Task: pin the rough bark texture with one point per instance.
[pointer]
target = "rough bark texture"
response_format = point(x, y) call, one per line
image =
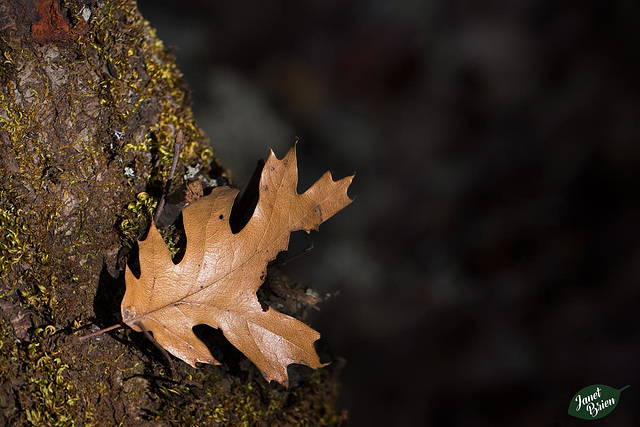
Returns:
point(90, 103)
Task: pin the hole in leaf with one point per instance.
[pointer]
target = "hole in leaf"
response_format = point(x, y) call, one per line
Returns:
point(245, 204)
point(221, 349)
point(134, 261)
point(324, 351)
point(179, 239)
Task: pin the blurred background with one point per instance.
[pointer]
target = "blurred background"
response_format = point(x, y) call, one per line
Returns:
point(489, 267)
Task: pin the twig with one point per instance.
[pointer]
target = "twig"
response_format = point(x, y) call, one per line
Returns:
point(178, 144)
point(294, 256)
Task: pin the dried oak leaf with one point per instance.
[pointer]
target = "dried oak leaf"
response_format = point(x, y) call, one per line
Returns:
point(217, 279)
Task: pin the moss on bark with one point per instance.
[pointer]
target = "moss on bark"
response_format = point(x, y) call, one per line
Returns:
point(90, 103)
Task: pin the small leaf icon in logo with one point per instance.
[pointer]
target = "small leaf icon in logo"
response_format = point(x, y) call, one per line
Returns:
point(594, 401)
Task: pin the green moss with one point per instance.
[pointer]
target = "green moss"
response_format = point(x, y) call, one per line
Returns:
point(53, 396)
point(234, 400)
point(138, 213)
point(58, 231)
point(38, 298)
point(141, 71)
point(13, 247)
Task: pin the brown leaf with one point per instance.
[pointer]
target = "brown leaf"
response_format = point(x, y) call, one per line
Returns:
point(217, 279)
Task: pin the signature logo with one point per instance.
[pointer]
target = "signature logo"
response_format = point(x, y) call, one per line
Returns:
point(594, 401)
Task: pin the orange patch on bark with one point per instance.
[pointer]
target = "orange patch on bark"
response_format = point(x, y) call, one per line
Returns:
point(52, 26)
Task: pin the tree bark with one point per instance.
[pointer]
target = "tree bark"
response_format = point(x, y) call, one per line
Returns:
point(90, 104)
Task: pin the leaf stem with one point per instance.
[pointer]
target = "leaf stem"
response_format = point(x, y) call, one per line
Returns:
point(101, 331)
point(159, 347)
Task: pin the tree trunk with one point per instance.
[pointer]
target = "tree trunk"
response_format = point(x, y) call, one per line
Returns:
point(90, 105)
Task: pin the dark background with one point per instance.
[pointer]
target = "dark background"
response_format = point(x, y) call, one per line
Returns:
point(489, 267)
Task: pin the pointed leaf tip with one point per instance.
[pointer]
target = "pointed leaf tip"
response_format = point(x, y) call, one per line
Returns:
point(216, 281)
